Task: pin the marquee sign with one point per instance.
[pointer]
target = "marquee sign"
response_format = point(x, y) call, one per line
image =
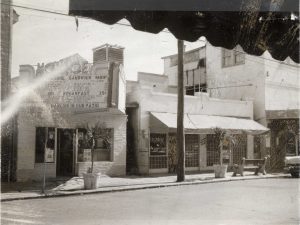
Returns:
point(83, 87)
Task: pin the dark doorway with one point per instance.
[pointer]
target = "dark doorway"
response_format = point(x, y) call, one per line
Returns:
point(131, 162)
point(65, 154)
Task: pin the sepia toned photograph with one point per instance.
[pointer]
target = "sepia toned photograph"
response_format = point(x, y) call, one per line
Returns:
point(145, 112)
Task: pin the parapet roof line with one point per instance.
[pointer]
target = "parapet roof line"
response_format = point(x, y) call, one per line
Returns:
point(195, 49)
point(108, 45)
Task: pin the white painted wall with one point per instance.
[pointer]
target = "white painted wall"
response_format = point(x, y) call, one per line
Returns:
point(275, 84)
point(156, 82)
point(229, 82)
point(27, 169)
point(162, 102)
point(121, 90)
point(282, 84)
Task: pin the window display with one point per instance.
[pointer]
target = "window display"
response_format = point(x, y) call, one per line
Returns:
point(103, 146)
point(44, 144)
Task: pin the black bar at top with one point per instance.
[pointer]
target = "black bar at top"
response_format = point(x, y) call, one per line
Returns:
point(184, 5)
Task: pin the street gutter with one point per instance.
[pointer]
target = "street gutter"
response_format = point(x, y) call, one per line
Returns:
point(139, 187)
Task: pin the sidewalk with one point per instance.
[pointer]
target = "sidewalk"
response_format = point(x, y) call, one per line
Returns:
point(74, 186)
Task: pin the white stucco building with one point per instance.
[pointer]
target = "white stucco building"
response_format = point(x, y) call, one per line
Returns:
point(65, 97)
point(151, 108)
point(272, 86)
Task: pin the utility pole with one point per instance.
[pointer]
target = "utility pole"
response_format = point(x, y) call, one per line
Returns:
point(180, 116)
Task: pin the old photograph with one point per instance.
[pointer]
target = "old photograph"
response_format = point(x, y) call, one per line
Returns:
point(150, 112)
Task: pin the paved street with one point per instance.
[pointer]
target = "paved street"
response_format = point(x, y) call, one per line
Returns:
point(266, 201)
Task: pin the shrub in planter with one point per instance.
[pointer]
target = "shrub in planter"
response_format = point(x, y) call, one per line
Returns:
point(221, 169)
point(91, 178)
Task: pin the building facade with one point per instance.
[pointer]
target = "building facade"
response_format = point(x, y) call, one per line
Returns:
point(65, 99)
point(152, 106)
point(273, 86)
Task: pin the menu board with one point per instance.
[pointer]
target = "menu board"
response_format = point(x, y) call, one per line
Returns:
point(83, 87)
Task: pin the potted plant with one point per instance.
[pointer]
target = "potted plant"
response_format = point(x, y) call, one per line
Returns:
point(94, 133)
point(221, 169)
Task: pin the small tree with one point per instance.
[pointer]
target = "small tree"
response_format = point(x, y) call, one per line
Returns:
point(221, 135)
point(98, 131)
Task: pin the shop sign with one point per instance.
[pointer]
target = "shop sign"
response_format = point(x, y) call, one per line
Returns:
point(84, 87)
point(49, 155)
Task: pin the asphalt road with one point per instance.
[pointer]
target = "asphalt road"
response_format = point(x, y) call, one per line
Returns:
point(267, 201)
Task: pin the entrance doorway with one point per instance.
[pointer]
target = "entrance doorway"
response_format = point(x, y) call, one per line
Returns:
point(65, 152)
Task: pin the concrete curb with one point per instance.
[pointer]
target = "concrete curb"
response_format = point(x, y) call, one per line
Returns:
point(140, 187)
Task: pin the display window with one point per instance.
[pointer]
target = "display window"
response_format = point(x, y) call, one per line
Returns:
point(158, 151)
point(45, 145)
point(103, 146)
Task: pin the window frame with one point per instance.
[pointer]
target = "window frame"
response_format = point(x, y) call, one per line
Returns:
point(38, 160)
point(192, 148)
point(111, 153)
point(158, 161)
point(226, 54)
point(165, 144)
point(232, 56)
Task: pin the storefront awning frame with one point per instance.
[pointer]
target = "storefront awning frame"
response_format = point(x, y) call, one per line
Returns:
point(205, 124)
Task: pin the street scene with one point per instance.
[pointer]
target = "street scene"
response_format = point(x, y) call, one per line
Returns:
point(182, 113)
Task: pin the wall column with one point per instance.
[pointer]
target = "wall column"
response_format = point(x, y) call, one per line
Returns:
point(250, 146)
point(202, 155)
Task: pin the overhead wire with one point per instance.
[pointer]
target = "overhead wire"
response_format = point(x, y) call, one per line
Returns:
point(128, 25)
point(64, 14)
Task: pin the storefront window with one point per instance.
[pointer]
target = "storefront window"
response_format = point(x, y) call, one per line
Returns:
point(44, 144)
point(212, 145)
point(291, 144)
point(158, 151)
point(103, 146)
point(239, 149)
point(192, 150)
point(158, 144)
point(258, 141)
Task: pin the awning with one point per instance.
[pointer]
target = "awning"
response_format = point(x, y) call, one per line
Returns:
point(207, 123)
